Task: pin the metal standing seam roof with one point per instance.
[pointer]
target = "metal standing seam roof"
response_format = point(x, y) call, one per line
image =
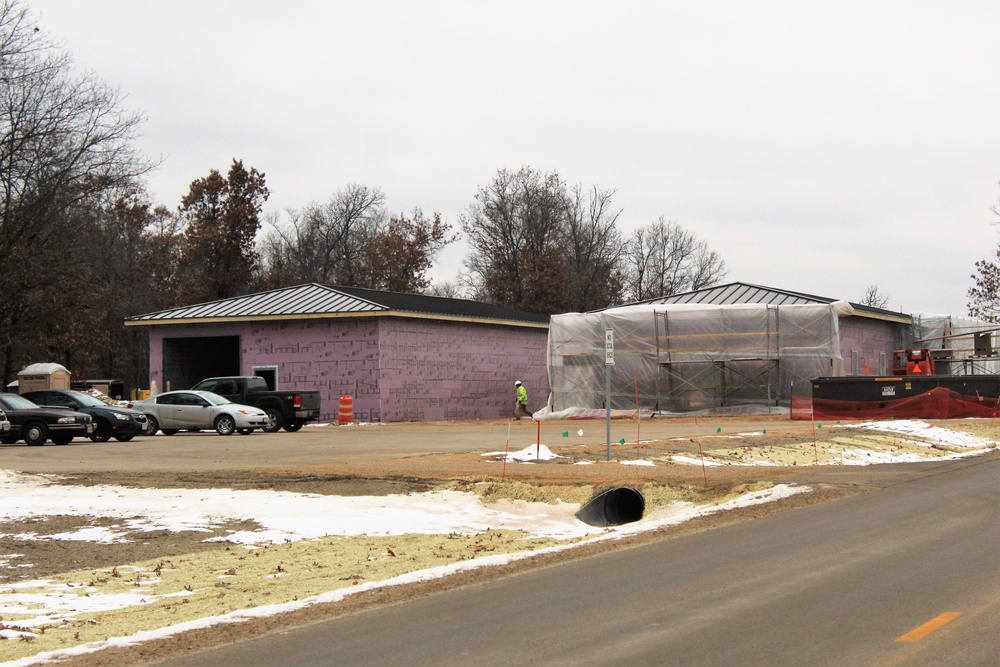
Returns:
point(315, 300)
point(742, 293)
point(745, 293)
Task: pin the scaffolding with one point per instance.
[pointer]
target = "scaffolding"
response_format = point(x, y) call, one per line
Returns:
point(689, 358)
point(959, 346)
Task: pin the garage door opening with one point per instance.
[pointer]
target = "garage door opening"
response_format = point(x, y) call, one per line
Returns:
point(186, 361)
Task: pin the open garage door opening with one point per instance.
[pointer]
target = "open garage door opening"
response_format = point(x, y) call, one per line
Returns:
point(186, 361)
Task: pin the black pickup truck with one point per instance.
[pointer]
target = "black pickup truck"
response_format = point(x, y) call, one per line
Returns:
point(289, 408)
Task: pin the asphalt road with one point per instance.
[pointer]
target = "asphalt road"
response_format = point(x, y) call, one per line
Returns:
point(904, 575)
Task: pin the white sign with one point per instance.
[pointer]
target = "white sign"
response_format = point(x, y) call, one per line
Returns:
point(609, 347)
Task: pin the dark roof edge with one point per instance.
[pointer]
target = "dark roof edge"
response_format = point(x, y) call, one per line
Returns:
point(440, 305)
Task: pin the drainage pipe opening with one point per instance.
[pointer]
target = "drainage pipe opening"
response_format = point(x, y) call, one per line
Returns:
point(613, 507)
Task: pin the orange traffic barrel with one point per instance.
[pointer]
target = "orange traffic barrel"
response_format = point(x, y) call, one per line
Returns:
point(345, 413)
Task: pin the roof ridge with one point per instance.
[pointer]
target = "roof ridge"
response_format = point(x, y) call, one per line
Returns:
point(319, 300)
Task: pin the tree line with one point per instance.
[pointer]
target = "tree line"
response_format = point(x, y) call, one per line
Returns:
point(542, 246)
point(83, 247)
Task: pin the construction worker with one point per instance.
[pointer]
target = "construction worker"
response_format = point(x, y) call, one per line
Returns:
point(521, 406)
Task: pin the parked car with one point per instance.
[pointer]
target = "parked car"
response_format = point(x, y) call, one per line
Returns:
point(182, 410)
point(288, 408)
point(109, 420)
point(36, 425)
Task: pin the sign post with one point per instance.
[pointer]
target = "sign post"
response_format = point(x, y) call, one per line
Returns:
point(609, 361)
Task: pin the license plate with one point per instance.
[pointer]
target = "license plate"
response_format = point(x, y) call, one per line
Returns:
point(90, 428)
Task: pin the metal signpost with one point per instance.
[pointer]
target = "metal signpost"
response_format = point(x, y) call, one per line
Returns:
point(609, 361)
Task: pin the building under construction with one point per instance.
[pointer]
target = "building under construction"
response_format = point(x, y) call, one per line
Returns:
point(740, 348)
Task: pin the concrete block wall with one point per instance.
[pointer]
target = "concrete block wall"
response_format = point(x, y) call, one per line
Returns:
point(440, 370)
point(869, 341)
point(335, 357)
point(395, 369)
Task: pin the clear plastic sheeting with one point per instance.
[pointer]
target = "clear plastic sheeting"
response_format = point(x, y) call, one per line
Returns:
point(693, 358)
point(592, 413)
point(959, 345)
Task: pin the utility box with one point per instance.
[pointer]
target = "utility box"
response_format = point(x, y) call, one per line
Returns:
point(43, 376)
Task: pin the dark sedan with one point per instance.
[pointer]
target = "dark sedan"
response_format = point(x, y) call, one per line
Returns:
point(109, 421)
point(35, 425)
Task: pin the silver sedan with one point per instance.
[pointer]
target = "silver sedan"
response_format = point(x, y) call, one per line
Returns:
point(174, 411)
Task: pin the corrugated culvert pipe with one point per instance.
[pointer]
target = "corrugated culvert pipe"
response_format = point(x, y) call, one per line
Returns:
point(613, 507)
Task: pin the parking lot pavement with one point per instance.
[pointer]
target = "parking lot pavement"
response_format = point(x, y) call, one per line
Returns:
point(332, 444)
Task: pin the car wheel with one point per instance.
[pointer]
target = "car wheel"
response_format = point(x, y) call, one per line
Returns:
point(169, 431)
point(124, 438)
point(62, 440)
point(225, 425)
point(292, 427)
point(35, 433)
point(102, 431)
point(152, 426)
point(8, 439)
point(274, 421)
point(244, 431)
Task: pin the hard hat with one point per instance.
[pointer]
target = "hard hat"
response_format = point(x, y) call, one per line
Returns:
point(517, 382)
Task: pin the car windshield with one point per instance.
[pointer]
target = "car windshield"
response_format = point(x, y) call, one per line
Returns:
point(88, 400)
point(214, 399)
point(15, 402)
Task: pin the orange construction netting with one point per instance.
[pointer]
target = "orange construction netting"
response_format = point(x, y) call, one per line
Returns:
point(936, 403)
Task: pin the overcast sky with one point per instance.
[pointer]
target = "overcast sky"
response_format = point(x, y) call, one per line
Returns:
point(821, 147)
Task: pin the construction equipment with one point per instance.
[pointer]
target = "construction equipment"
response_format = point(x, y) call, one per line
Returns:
point(913, 362)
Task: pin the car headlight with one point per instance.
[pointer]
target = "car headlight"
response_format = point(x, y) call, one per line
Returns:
point(121, 417)
point(66, 420)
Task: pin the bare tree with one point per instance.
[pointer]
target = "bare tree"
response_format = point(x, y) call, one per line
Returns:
point(874, 298)
point(134, 252)
point(323, 243)
point(984, 296)
point(398, 258)
point(277, 264)
point(663, 258)
point(160, 256)
point(517, 232)
point(64, 140)
point(447, 289)
point(351, 241)
point(540, 246)
point(594, 250)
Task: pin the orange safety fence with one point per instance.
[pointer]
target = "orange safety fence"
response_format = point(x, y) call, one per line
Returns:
point(936, 403)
